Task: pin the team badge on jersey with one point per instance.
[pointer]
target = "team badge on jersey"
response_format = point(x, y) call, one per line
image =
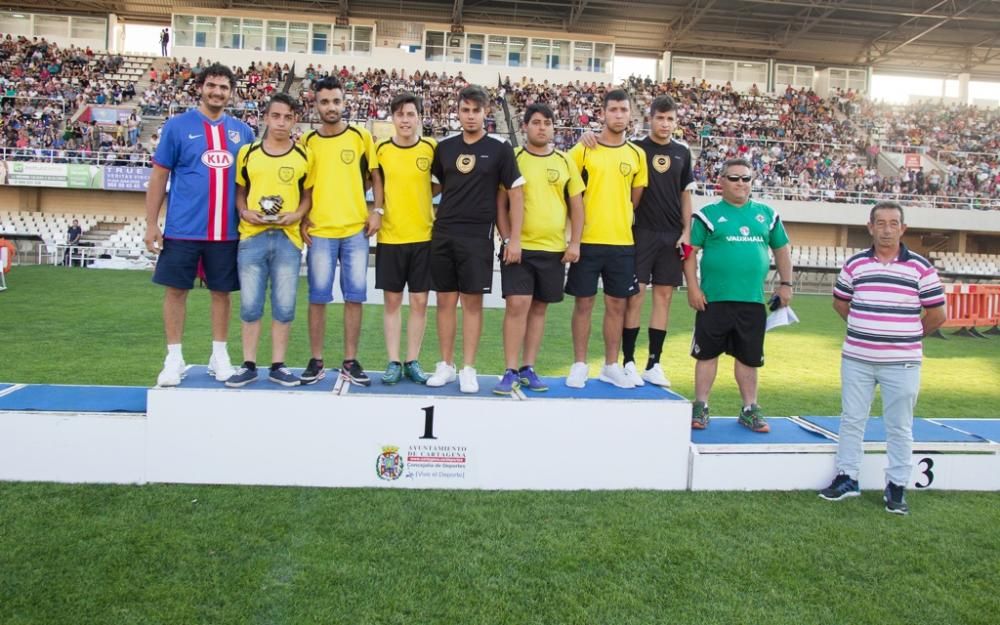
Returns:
point(285, 174)
point(423, 163)
point(234, 136)
point(625, 168)
point(661, 163)
point(553, 175)
point(465, 163)
point(347, 156)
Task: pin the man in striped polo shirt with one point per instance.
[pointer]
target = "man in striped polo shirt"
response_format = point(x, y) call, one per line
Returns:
point(891, 299)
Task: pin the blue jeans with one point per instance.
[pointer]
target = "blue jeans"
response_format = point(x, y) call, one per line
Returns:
point(352, 252)
point(268, 255)
point(900, 384)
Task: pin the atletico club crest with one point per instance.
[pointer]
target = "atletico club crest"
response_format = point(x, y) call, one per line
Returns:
point(423, 163)
point(465, 163)
point(553, 175)
point(661, 163)
point(347, 156)
point(625, 168)
point(285, 174)
point(234, 136)
point(389, 464)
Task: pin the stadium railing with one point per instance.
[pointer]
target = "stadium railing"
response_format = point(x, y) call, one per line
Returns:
point(51, 155)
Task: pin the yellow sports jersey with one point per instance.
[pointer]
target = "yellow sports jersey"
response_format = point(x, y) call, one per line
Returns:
point(549, 181)
point(610, 174)
point(406, 174)
point(273, 180)
point(343, 162)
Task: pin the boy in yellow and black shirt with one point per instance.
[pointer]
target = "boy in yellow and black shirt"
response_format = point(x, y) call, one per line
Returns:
point(615, 174)
point(274, 179)
point(339, 226)
point(552, 191)
point(402, 258)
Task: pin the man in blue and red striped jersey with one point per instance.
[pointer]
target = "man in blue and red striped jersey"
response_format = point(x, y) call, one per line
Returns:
point(891, 299)
point(197, 153)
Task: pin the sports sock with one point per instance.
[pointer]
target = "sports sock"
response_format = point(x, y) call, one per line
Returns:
point(277, 365)
point(249, 364)
point(629, 335)
point(656, 338)
point(219, 348)
point(174, 352)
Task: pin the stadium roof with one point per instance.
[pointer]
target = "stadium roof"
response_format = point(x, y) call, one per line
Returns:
point(930, 37)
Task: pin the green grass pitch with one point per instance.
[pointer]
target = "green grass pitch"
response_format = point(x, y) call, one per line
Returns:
point(217, 555)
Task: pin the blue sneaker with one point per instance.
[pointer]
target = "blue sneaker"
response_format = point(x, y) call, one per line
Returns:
point(413, 371)
point(393, 373)
point(531, 380)
point(842, 487)
point(507, 383)
point(284, 377)
point(243, 376)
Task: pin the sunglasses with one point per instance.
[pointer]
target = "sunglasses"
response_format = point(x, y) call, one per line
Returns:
point(732, 178)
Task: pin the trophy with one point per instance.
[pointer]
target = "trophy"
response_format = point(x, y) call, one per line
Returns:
point(270, 206)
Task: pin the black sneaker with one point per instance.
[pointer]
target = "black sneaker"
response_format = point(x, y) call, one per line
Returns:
point(353, 371)
point(842, 487)
point(895, 499)
point(314, 372)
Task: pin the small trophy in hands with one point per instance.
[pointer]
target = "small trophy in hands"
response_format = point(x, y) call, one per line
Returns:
point(270, 206)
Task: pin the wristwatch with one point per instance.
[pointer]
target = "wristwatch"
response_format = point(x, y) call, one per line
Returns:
point(783, 283)
point(380, 211)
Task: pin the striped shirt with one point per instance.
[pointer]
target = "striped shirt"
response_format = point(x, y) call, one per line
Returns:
point(883, 324)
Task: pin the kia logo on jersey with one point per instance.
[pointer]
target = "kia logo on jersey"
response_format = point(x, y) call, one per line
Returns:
point(217, 159)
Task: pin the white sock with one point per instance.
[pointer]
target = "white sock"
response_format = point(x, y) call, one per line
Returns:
point(219, 348)
point(747, 408)
point(174, 353)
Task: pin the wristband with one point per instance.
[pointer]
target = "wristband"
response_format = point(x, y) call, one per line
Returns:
point(783, 283)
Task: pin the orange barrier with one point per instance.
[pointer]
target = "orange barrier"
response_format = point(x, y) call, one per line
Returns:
point(9, 256)
point(971, 305)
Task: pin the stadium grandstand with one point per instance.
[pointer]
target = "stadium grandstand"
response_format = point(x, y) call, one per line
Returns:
point(795, 106)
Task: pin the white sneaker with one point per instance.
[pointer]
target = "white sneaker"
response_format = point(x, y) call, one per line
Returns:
point(614, 374)
point(578, 375)
point(443, 374)
point(467, 381)
point(172, 374)
point(221, 367)
point(633, 374)
point(655, 376)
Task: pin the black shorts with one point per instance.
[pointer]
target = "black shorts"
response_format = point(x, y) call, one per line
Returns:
point(656, 259)
point(177, 265)
point(539, 274)
point(736, 328)
point(463, 264)
point(614, 264)
point(398, 265)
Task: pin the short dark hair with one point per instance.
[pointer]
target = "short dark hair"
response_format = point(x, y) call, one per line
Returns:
point(662, 104)
point(886, 205)
point(615, 95)
point(405, 98)
point(474, 93)
point(329, 82)
point(282, 98)
point(216, 69)
point(538, 107)
point(735, 162)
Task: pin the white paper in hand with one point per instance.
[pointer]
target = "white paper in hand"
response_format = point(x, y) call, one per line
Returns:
point(784, 316)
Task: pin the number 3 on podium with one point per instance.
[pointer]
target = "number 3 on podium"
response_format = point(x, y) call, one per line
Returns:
point(927, 465)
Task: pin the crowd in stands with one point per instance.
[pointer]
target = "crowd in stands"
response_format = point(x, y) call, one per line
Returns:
point(802, 146)
point(805, 147)
point(43, 85)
